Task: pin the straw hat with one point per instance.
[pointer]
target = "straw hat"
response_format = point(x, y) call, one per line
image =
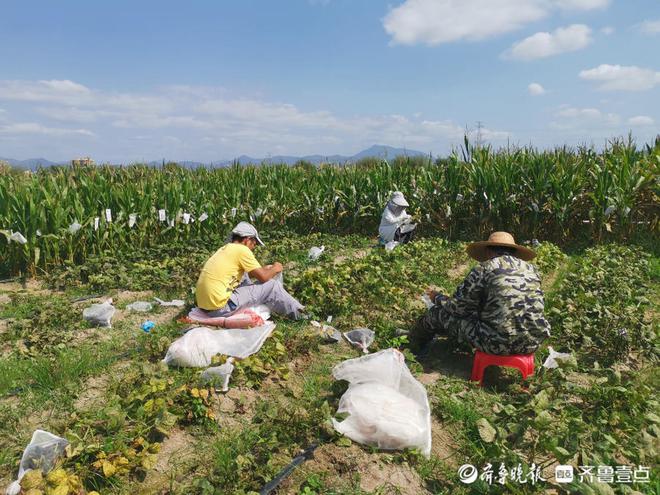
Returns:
point(478, 250)
point(398, 199)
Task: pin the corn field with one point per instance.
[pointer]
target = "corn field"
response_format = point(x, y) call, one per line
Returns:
point(64, 214)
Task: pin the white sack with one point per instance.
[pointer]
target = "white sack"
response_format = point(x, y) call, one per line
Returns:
point(100, 315)
point(387, 407)
point(551, 361)
point(41, 453)
point(199, 345)
point(140, 306)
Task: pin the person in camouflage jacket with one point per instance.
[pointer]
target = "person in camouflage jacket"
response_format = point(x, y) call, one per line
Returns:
point(498, 309)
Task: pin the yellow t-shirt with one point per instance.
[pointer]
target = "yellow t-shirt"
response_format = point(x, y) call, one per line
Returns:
point(222, 273)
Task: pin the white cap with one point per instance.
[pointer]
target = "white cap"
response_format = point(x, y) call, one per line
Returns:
point(245, 229)
point(398, 199)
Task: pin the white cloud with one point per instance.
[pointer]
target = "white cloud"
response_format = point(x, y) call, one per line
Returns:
point(36, 128)
point(46, 91)
point(621, 78)
point(607, 30)
point(640, 121)
point(650, 27)
point(569, 117)
point(535, 89)
point(543, 44)
point(581, 4)
point(433, 22)
point(208, 123)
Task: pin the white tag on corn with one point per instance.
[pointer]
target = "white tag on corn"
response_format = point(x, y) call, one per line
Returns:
point(171, 222)
point(38, 233)
point(74, 227)
point(233, 212)
point(17, 237)
point(96, 222)
point(132, 219)
point(186, 218)
point(161, 216)
point(203, 217)
point(108, 215)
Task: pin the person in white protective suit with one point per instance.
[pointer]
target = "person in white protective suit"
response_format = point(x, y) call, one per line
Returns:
point(396, 224)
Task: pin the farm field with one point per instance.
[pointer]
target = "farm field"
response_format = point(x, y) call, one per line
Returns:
point(136, 426)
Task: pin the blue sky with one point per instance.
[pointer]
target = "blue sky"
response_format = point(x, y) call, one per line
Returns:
point(127, 81)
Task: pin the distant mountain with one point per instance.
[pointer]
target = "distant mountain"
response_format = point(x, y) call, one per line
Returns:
point(375, 151)
point(30, 163)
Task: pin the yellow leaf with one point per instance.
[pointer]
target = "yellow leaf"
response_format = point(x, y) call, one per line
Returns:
point(56, 476)
point(34, 491)
point(32, 479)
point(194, 392)
point(108, 469)
point(149, 461)
point(60, 490)
point(204, 393)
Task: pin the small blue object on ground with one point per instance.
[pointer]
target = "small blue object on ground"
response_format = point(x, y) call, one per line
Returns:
point(148, 325)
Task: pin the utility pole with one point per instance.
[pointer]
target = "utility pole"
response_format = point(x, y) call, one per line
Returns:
point(480, 126)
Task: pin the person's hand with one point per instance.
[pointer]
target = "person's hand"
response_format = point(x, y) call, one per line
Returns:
point(277, 266)
point(432, 294)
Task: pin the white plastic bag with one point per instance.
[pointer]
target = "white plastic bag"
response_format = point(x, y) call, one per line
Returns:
point(391, 245)
point(361, 338)
point(74, 227)
point(315, 252)
point(179, 303)
point(140, 306)
point(551, 361)
point(17, 237)
point(221, 373)
point(41, 453)
point(132, 220)
point(100, 315)
point(327, 332)
point(427, 301)
point(387, 407)
point(199, 345)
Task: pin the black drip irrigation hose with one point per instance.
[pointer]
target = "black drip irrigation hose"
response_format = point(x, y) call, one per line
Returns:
point(305, 455)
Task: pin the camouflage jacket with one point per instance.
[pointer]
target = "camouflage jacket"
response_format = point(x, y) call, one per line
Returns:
point(504, 295)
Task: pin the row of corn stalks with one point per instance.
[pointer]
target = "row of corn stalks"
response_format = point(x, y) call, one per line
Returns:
point(68, 213)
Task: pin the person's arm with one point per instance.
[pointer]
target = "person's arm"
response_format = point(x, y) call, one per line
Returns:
point(467, 298)
point(265, 273)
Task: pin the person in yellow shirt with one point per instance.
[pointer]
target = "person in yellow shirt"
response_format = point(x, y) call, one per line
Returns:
point(224, 286)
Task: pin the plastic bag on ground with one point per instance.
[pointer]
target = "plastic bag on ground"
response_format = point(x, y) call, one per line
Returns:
point(327, 332)
point(387, 407)
point(551, 361)
point(391, 245)
point(315, 252)
point(220, 373)
point(179, 303)
point(140, 306)
point(100, 315)
point(197, 347)
point(361, 338)
point(41, 453)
